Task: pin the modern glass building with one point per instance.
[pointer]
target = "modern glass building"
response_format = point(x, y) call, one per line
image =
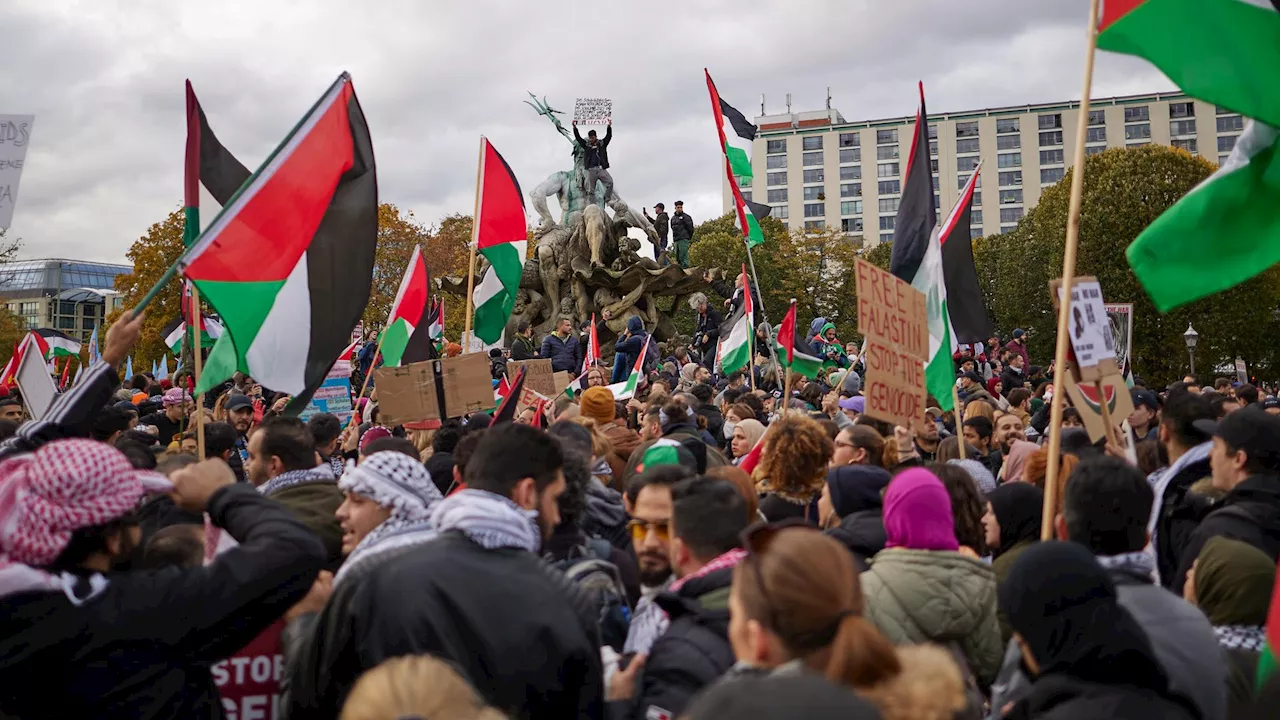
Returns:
point(71, 296)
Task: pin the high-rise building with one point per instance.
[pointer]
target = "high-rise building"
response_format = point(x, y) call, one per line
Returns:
point(819, 171)
point(72, 296)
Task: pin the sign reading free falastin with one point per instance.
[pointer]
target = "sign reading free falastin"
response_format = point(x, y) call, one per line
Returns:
point(893, 317)
point(15, 135)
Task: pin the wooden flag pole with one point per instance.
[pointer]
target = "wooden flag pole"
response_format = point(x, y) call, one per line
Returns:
point(475, 240)
point(1068, 276)
point(197, 350)
point(958, 414)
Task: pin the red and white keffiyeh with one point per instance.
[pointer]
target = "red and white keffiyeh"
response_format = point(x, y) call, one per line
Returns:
point(47, 495)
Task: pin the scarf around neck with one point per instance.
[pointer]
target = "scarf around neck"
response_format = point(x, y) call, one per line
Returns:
point(320, 473)
point(1241, 637)
point(488, 519)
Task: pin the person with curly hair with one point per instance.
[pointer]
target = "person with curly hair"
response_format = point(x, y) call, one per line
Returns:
point(793, 469)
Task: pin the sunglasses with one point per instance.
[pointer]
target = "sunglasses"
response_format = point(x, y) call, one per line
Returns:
point(640, 529)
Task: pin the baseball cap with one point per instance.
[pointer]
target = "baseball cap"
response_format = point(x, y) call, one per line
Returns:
point(238, 401)
point(1271, 402)
point(936, 412)
point(1144, 397)
point(971, 375)
point(1251, 430)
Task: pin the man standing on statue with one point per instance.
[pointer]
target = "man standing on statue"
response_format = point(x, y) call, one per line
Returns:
point(681, 233)
point(596, 160)
point(660, 221)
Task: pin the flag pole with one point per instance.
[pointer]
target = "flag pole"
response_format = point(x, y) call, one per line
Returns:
point(1068, 275)
point(475, 240)
point(958, 415)
point(773, 338)
point(197, 351)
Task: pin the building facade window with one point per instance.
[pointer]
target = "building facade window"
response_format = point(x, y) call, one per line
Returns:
point(1182, 127)
point(1010, 215)
point(1188, 144)
point(1137, 113)
point(886, 223)
point(851, 225)
point(889, 187)
point(1049, 176)
point(776, 162)
point(933, 165)
point(1091, 150)
point(777, 196)
point(815, 226)
point(814, 210)
point(887, 152)
point(1182, 110)
point(885, 137)
point(932, 132)
point(1011, 197)
point(1230, 123)
point(964, 178)
point(933, 148)
point(975, 218)
point(746, 195)
point(1097, 117)
point(853, 172)
point(850, 155)
point(1095, 135)
point(977, 197)
point(851, 190)
point(967, 163)
point(782, 212)
point(1011, 177)
point(812, 158)
point(851, 207)
point(775, 178)
point(1226, 143)
point(1008, 142)
point(812, 142)
point(887, 169)
point(886, 237)
point(814, 175)
point(851, 139)
point(967, 129)
point(1051, 157)
point(967, 145)
point(814, 192)
point(776, 147)
point(1140, 131)
point(1050, 122)
point(1053, 138)
point(889, 204)
point(1007, 125)
point(1009, 160)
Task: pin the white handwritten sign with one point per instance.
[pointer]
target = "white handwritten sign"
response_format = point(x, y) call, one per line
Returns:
point(592, 111)
point(15, 134)
point(1089, 326)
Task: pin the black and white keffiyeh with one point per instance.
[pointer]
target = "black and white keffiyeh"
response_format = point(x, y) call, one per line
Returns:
point(320, 473)
point(488, 519)
point(1241, 637)
point(401, 484)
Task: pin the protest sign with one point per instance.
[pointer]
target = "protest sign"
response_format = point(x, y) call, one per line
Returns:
point(468, 384)
point(1089, 330)
point(1242, 371)
point(15, 135)
point(333, 395)
point(1120, 316)
point(592, 111)
point(562, 379)
point(528, 398)
point(38, 389)
point(537, 374)
point(893, 317)
point(434, 389)
point(249, 680)
point(1087, 398)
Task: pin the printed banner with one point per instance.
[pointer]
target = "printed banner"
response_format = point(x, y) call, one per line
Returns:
point(1089, 328)
point(15, 134)
point(1120, 316)
point(592, 111)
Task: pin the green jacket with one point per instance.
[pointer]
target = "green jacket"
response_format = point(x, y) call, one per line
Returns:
point(916, 596)
point(1002, 565)
point(314, 505)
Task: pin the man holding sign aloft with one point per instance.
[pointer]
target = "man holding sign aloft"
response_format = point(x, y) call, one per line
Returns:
point(596, 160)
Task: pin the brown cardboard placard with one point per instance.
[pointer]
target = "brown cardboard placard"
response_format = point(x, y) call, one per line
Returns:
point(1093, 346)
point(468, 384)
point(891, 400)
point(528, 398)
point(562, 379)
point(407, 393)
point(1085, 398)
point(891, 310)
point(537, 374)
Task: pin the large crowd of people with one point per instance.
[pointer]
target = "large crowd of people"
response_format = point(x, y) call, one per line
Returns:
point(706, 548)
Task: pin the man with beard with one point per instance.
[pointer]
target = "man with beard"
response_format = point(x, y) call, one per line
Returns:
point(1008, 429)
point(648, 501)
point(478, 596)
point(283, 466)
point(240, 414)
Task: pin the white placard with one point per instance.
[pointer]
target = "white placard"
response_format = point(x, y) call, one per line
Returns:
point(1089, 326)
point(592, 111)
point(15, 135)
point(38, 390)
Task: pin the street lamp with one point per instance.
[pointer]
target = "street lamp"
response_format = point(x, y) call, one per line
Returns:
point(1191, 336)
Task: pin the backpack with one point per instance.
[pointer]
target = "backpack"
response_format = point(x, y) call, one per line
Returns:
point(589, 568)
point(651, 359)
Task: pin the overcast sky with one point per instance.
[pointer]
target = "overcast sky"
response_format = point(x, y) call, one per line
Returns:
point(105, 82)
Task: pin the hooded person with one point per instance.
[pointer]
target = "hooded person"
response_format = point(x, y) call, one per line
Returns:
point(1232, 583)
point(829, 347)
point(1086, 654)
point(920, 588)
point(630, 344)
point(852, 497)
point(1012, 524)
point(82, 637)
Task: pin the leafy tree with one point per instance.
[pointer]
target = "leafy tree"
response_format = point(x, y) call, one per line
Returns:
point(879, 255)
point(152, 254)
point(12, 325)
point(1124, 191)
point(398, 233)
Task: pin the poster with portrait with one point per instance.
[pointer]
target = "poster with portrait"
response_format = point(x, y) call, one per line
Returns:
point(1120, 316)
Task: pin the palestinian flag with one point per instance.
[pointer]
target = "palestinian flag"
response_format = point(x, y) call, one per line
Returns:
point(1223, 232)
point(501, 235)
point(917, 259)
point(506, 411)
point(592, 355)
point(736, 136)
point(1225, 52)
point(574, 388)
point(794, 351)
point(663, 451)
point(408, 335)
point(501, 392)
point(176, 333)
point(435, 321)
point(208, 164)
point(66, 375)
point(626, 389)
point(54, 344)
point(8, 376)
point(965, 304)
point(288, 263)
point(735, 349)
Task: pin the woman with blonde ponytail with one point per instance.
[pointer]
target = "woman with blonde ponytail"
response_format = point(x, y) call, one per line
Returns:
point(796, 606)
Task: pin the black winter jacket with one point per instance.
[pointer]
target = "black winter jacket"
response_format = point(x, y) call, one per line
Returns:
point(1060, 697)
point(514, 627)
point(863, 533)
point(693, 652)
point(1249, 513)
point(1180, 513)
point(143, 646)
point(522, 348)
point(681, 227)
point(708, 324)
point(597, 156)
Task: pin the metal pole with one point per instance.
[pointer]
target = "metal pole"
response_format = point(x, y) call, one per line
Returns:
point(1192, 353)
point(773, 340)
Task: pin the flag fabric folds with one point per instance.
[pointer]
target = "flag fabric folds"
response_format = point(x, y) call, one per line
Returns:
point(435, 324)
point(54, 344)
point(735, 348)
point(626, 389)
point(208, 163)
point(506, 411)
point(407, 336)
point(176, 333)
point(1226, 52)
point(288, 263)
point(502, 238)
point(94, 356)
point(735, 140)
point(1223, 232)
point(965, 303)
point(796, 353)
point(592, 354)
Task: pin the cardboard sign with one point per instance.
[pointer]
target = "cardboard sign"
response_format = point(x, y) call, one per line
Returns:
point(1089, 328)
point(249, 681)
point(537, 374)
point(592, 111)
point(15, 135)
point(528, 398)
point(561, 378)
point(409, 393)
point(1242, 371)
point(1086, 398)
point(38, 389)
point(893, 317)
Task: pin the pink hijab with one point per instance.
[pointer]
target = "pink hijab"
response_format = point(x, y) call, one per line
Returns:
point(1017, 459)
